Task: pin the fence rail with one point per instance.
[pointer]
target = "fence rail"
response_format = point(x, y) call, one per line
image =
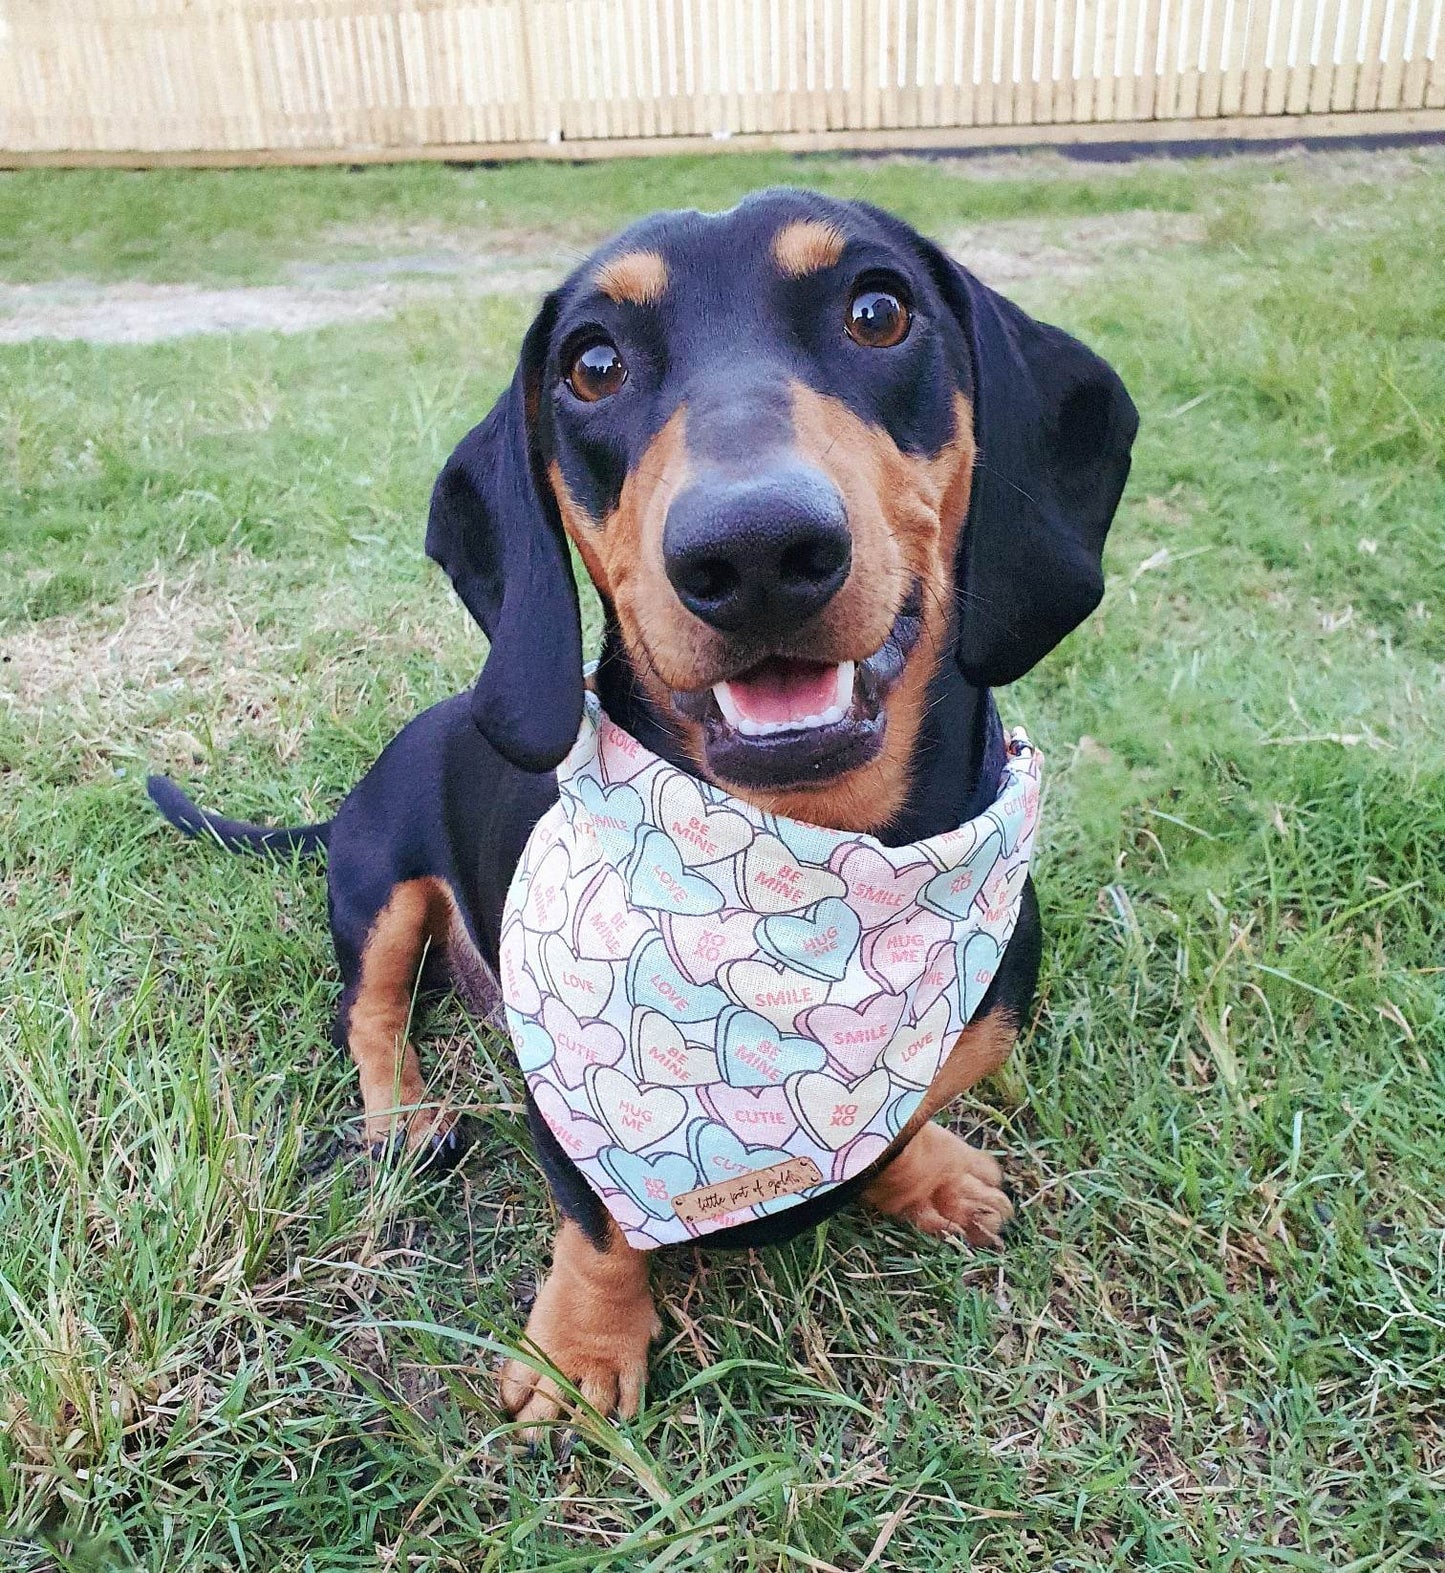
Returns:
point(237, 80)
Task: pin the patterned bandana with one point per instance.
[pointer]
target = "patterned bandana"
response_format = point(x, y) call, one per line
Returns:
point(721, 1012)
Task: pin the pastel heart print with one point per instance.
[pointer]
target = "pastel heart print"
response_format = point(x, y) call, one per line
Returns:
point(639, 1226)
point(582, 986)
point(519, 987)
point(781, 994)
point(857, 1155)
point(657, 879)
point(584, 851)
point(954, 846)
point(580, 1048)
point(820, 941)
point(661, 1054)
point(915, 1054)
point(953, 891)
point(833, 1112)
point(637, 1117)
point(753, 1053)
point(545, 909)
point(978, 959)
point(614, 813)
point(897, 953)
point(719, 1155)
point(650, 1182)
point(606, 928)
point(620, 756)
point(809, 844)
point(703, 832)
point(775, 880)
point(577, 1135)
point(938, 974)
point(752, 1113)
point(534, 1046)
point(899, 1112)
point(1001, 895)
point(654, 982)
point(877, 890)
point(700, 946)
point(854, 1037)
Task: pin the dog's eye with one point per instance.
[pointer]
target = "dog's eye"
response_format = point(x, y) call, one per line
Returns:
point(877, 318)
point(597, 371)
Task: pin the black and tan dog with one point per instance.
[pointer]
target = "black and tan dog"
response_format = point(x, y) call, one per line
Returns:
point(831, 490)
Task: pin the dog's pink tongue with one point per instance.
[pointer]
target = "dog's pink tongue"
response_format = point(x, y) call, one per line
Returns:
point(781, 689)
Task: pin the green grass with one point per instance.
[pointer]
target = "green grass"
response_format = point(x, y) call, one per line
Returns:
point(1215, 1337)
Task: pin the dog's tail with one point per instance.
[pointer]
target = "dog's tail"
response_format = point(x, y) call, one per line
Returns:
point(236, 835)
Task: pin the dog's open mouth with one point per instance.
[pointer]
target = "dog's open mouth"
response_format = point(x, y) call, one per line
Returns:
point(788, 721)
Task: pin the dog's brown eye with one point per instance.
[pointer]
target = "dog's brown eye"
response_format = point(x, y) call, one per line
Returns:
point(877, 318)
point(597, 371)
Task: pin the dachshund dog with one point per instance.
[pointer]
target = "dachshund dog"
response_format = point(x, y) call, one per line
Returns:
point(831, 491)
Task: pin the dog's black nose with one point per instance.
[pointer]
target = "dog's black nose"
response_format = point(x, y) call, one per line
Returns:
point(761, 554)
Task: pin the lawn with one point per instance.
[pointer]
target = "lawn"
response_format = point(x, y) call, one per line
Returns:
point(1215, 1337)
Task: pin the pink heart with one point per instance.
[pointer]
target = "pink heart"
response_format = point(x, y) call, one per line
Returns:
point(578, 1136)
point(854, 1039)
point(631, 1218)
point(897, 953)
point(607, 929)
point(700, 946)
point(519, 987)
point(856, 1156)
point(876, 890)
point(545, 908)
point(621, 757)
point(760, 1116)
point(579, 1046)
point(937, 975)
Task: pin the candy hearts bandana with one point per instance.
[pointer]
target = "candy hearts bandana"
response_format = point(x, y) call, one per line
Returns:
point(720, 1012)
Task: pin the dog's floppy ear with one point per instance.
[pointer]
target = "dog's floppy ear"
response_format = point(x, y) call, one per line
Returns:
point(1054, 426)
point(494, 528)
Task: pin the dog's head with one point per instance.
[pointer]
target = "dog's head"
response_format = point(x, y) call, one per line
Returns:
point(804, 457)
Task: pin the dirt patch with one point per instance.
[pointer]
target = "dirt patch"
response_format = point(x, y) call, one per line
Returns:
point(391, 268)
point(1014, 251)
point(111, 671)
point(324, 294)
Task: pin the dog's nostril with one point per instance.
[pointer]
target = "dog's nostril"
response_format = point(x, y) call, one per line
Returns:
point(710, 579)
point(812, 561)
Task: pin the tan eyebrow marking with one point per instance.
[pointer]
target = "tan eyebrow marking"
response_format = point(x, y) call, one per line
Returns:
point(807, 245)
point(639, 277)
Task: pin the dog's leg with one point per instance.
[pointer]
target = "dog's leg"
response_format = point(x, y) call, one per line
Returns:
point(375, 1017)
point(593, 1319)
point(937, 1181)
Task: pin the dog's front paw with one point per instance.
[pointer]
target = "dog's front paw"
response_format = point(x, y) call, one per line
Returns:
point(436, 1138)
point(594, 1327)
point(941, 1185)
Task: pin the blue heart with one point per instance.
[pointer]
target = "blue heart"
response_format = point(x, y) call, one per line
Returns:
point(897, 1114)
point(671, 1175)
point(616, 812)
point(808, 843)
point(661, 883)
point(654, 981)
point(955, 890)
point(979, 953)
point(820, 942)
point(533, 1043)
point(721, 1156)
point(742, 1057)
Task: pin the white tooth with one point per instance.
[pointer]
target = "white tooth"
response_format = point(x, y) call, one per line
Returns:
point(722, 692)
point(844, 694)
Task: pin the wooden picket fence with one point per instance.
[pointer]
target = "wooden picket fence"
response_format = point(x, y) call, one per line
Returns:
point(150, 81)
